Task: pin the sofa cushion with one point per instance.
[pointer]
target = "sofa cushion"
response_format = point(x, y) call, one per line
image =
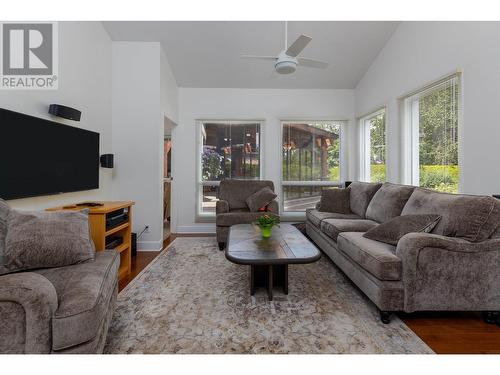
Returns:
point(333, 227)
point(235, 192)
point(388, 202)
point(260, 199)
point(41, 239)
point(361, 193)
point(233, 218)
point(465, 216)
point(377, 258)
point(315, 217)
point(391, 231)
point(334, 200)
point(83, 292)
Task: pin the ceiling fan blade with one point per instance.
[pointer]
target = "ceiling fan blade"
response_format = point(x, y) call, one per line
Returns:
point(297, 46)
point(311, 63)
point(258, 57)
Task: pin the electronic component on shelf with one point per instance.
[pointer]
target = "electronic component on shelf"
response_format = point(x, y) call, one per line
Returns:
point(116, 218)
point(113, 242)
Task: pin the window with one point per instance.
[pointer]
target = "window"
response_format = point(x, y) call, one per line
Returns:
point(373, 147)
point(311, 160)
point(431, 118)
point(228, 149)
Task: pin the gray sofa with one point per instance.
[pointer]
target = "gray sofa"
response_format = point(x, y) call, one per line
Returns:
point(456, 267)
point(232, 209)
point(59, 310)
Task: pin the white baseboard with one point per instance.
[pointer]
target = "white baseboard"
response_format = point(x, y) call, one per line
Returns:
point(196, 229)
point(149, 245)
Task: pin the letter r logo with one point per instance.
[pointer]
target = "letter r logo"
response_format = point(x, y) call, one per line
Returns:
point(27, 49)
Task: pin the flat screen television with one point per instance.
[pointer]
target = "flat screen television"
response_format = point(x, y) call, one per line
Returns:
point(42, 157)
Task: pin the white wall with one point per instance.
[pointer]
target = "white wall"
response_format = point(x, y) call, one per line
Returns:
point(168, 90)
point(144, 91)
point(85, 84)
point(269, 105)
point(420, 52)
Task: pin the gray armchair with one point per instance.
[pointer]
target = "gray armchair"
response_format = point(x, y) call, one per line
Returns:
point(232, 209)
point(59, 310)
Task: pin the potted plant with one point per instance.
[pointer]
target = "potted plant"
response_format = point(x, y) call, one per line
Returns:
point(266, 222)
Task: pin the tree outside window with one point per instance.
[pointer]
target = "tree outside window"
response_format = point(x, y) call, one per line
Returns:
point(433, 123)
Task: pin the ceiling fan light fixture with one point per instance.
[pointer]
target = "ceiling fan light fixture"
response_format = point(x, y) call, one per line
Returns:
point(287, 60)
point(285, 67)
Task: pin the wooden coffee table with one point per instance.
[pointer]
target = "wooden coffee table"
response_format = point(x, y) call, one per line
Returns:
point(269, 258)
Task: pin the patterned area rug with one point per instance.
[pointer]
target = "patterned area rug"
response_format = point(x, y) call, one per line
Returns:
point(190, 299)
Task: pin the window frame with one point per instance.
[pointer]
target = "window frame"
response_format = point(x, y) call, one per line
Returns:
point(201, 216)
point(364, 143)
point(409, 109)
point(342, 167)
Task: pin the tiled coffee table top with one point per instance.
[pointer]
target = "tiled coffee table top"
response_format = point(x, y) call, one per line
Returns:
point(287, 245)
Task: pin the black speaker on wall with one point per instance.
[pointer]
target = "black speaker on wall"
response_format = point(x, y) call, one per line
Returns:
point(107, 160)
point(65, 112)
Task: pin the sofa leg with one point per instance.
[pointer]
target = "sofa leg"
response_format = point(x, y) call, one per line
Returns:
point(222, 245)
point(491, 317)
point(385, 317)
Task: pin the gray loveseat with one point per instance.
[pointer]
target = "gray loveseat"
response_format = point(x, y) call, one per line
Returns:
point(59, 310)
point(232, 209)
point(456, 267)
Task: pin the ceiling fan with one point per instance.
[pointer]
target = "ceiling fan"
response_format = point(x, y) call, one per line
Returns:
point(287, 60)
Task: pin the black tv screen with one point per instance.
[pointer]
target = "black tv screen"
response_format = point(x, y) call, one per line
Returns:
point(42, 157)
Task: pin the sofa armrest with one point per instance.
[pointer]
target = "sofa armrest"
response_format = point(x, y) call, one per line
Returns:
point(413, 241)
point(221, 206)
point(274, 207)
point(38, 298)
point(445, 273)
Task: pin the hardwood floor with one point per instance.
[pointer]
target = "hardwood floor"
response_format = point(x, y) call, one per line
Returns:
point(455, 333)
point(445, 333)
point(139, 262)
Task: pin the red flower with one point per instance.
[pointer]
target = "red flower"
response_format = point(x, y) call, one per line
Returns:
point(262, 209)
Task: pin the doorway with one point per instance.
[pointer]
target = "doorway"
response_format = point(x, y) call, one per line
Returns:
point(167, 176)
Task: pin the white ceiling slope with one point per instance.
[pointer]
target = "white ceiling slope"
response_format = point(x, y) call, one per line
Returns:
point(207, 54)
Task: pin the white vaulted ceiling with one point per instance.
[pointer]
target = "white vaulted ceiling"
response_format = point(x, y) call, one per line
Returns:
point(207, 54)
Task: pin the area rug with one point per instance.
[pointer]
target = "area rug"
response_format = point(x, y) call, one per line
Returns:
point(190, 299)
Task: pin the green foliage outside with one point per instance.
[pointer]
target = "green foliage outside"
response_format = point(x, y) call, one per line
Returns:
point(377, 148)
point(438, 127)
point(377, 173)
point(334, 173)
point(439, 177)
point(211, 165)
point(438, 143)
